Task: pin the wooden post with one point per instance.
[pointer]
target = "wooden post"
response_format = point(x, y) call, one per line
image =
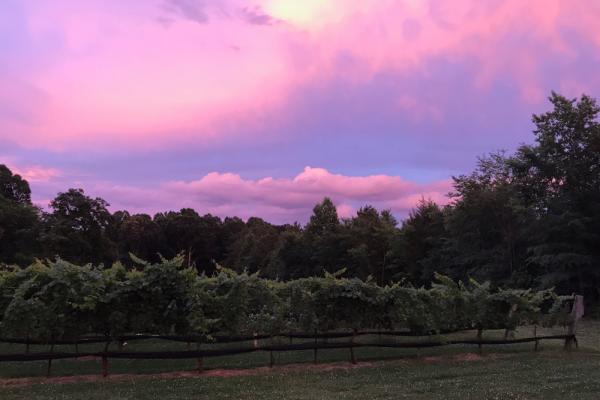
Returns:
point(50, 361)
point(512, 310)
point(352, 358)
point(315, 349)
point(479, 338)
point(255, 340)
point(576, 314)
point(271, 361)
point(536, 339)
point(199, 360)
point(105, 360)
point(104, 366)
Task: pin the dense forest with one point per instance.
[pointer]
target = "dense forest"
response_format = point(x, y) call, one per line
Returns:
point(528, 219)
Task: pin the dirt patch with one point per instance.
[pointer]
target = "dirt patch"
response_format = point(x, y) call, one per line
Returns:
point(228, 373)
point(433, 359)
point(464, 357)
point(222, 373)
point(468, 357)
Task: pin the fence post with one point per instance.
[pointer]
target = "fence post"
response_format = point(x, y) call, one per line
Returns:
point(536, 339)
point(512, 310)
point(479, 338)
point(271, 360)
point(50, 360)
point(315, 349)
point(105, 360)
point(576, 313)
point(104, 366)
point(352, 358)
point(199, 360)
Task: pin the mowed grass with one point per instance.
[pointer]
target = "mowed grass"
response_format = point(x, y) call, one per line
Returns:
point(544, 375)
point(504, 372)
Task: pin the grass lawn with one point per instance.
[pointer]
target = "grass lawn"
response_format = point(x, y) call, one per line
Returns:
point(510, 372)
point(551, 374)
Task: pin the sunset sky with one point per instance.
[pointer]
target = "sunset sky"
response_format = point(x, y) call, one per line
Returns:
point(263, 107)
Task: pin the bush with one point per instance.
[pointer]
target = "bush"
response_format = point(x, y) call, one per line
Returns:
point(58, 300)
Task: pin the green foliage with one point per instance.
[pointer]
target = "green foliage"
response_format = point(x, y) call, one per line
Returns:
point(59, 300)
point(75, 230)
point(560, 177)
point(14, 188)
point(19, 219)
point(51, 300)
point(414, 253)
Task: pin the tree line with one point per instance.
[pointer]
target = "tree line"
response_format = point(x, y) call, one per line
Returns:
point(526, 219)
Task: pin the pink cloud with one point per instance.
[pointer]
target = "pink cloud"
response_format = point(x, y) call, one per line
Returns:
point(123, 78)
point(120, 77)
point(31, 172)
point(36, 173)
point(345, 210)
point(275, 199)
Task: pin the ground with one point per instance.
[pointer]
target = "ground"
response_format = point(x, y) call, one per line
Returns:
point(456, 372)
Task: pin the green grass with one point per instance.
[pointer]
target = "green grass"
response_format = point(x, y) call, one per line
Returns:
point(545, 375)
point(506, 372)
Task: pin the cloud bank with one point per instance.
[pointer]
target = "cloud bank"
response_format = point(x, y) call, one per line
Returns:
point(109, 73)
point(281, 200)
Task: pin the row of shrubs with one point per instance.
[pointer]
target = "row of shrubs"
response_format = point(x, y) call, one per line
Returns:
point(56, 300)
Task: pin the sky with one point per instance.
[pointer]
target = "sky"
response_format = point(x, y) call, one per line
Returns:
point(263, 107)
